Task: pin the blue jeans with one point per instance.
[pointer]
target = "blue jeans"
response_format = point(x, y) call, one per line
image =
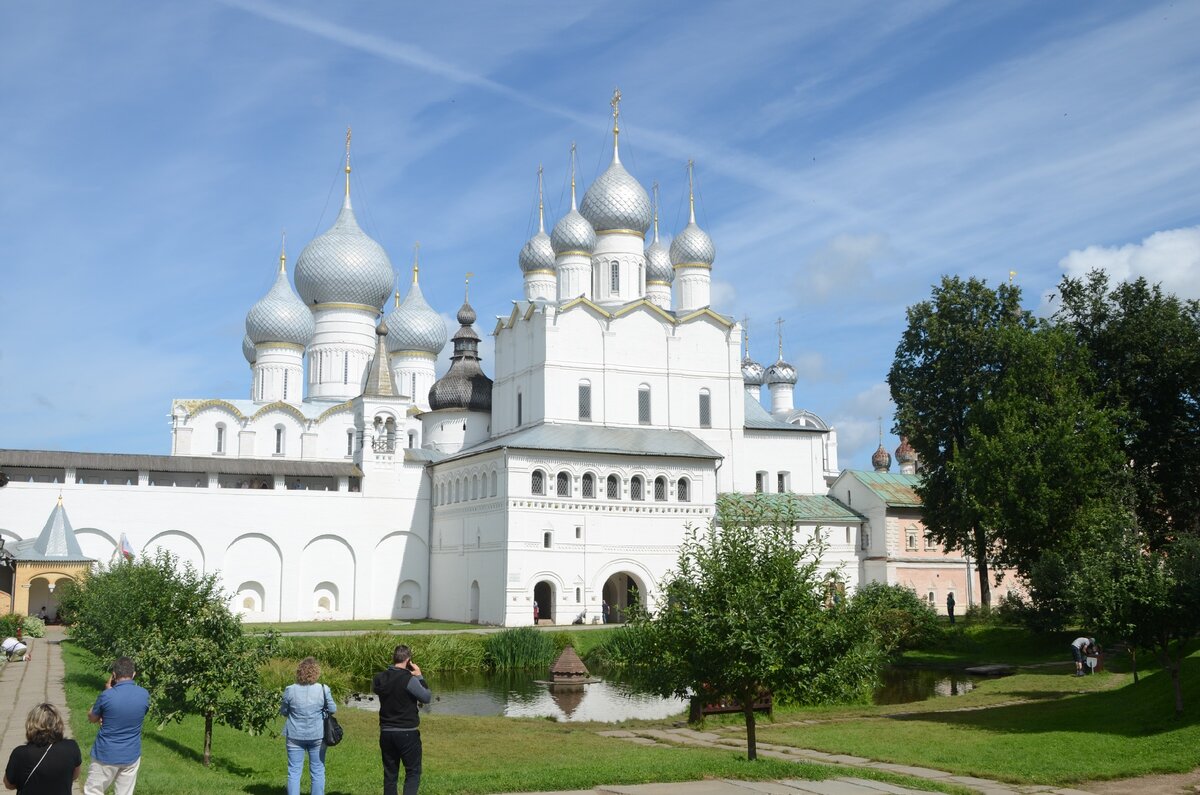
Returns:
point(316, 765)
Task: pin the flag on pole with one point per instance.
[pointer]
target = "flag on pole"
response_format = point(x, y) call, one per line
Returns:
point(123, 551)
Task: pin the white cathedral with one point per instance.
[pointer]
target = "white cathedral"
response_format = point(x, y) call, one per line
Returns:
point(353, 483)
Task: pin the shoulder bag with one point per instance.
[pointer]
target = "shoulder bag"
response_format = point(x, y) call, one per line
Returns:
point(333, 729)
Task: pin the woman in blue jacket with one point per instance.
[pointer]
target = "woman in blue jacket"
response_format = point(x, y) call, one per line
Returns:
point(305, 705)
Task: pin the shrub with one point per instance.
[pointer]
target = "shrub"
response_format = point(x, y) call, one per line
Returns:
point(619, 650)
point(34, 627)
point(10, 623)
point(900, 619)
point(520, 648)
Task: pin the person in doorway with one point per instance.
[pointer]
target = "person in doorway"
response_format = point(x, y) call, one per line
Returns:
point(117, 752)
point(305, 705)
point(47, 763)
point(15, 650)
point(43, 615)
point(401, 689)
point(950, 607)
point(1079, 648)
point(604, 610)
point(536, 612)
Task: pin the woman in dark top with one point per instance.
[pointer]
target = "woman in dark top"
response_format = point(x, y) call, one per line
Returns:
point(47, 764)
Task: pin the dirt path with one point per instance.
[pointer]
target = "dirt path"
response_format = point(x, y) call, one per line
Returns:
point(1164, 784)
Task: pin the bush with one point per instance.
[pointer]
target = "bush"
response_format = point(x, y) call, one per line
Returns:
point(10, 623)
point(899, 618)
point(34, 627)
point(619, 651)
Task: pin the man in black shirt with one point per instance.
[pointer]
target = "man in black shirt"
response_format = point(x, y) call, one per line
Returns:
point(400, 688)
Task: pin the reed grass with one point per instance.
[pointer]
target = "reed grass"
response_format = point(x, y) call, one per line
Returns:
point(520, 648)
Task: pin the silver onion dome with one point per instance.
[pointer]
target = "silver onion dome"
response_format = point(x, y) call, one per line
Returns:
point(693, 246)
point(658, 264)
point(752, 372)
point(415, 326)
point(780, 373)
point(537, 254)
point(616, 201)
point(573, 233)
point(280, 316)
point(248, 349)
point(344, 265)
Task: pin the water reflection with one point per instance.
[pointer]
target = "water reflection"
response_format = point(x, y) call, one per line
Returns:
point(518, 695)
point(906, 685)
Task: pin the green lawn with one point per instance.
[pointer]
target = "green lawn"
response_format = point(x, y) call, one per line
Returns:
point(372, 625)
point(975, 643)
point(462, 754)
point(1063, 730)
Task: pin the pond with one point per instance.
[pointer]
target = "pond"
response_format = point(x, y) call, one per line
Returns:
point(519, 695)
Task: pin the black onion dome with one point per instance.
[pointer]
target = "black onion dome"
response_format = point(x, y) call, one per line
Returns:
point(465, 385)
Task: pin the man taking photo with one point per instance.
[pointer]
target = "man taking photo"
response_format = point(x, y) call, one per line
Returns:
point(400, 689)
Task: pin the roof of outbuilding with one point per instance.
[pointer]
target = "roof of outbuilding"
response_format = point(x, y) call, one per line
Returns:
point(895, 489)
point(598, 439)
point(57, 459)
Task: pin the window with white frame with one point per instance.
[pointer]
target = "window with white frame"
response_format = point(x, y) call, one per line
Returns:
point(613, 487)
point(537, 484)
point(285, 384)
point(910, 539)
point(637, 488)
point(660, 489)
point(760, 482)
point(683, 491)
point(563, 484)
point(520, 406)
point(644, 404)
point(614, 275)
point(588, 487)
point(278, 440)
point(547, 539)
point(350, 442)
point(221, 438)
point(784, 481)
point(346, 368)
point(705, 409)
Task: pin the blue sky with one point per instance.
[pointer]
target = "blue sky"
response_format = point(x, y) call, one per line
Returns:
point(847, 154)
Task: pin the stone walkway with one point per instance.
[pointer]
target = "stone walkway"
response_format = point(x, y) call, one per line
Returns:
point(23, 685)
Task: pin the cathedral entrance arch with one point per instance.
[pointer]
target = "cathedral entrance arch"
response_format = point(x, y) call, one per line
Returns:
point(622, 590)
point(543, 600)
point(474, 614)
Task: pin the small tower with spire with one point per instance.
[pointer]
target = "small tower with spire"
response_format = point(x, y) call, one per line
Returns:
point(752, 371)
point(416, 335)
point(618, 208)
point(780, 379)
point(537, 257)
point(692, 255)
point(573, 240)
point(659, 272)
point(461, 400)
point(881, 459)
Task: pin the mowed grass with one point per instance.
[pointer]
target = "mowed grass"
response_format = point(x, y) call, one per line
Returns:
point(366, 625)
point(462, 754)
point(1061, 729)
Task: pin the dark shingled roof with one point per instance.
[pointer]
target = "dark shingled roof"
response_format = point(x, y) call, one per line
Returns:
point(59, 459)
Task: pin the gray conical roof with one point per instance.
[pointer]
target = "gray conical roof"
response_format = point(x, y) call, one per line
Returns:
point(379, 376)
point(56, 542)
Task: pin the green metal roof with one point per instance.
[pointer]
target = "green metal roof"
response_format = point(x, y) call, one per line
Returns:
point(896, 490)
point(811, 507)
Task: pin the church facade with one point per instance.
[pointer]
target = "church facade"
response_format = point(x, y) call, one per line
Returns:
point(351, 482)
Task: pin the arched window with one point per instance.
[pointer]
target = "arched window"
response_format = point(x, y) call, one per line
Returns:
point(705, 409)
point(412, 438)
point(278, 440)
point(585, 401)
point(644, 404)
point(614, 270)
point(589, 486)
point(760, 482)
point(493, 484)
point(660, 489)
point(547, 538)
point(578, 595)
point(537, 482)
point(614, 487)
point(637, 488)
point(220, 438)
point(474, 487)
point(520, 405)
point(564, 484)
point(285, 384)
point(683, 491)
point(346, 368)
point(350, 442)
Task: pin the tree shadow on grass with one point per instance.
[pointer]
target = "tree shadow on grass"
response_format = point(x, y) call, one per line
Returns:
point(279, 789)
point(1133, 710)
point(189, 753)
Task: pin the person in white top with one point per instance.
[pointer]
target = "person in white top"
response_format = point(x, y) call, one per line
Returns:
point(1079, 648)
point(15, 649)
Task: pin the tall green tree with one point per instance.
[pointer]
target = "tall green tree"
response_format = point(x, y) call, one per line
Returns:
point(948, 360)
point(745, 611)
point(1144, 346)
point(190, 651)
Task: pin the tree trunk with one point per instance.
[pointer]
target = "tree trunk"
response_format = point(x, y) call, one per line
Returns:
point(748, 711)
point(207, 738)
point(985, 580)
point(1173, 667)
point(1133, 662)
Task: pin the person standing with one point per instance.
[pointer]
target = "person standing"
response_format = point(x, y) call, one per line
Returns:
point(47, 763)
point(117, 753)
point(305, 705)
point(950, 607)
point(604, 609)
point(1078, 647)
point(400, 689)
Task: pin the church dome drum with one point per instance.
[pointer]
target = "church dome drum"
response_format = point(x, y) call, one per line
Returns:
point(344, 265)
point(280, 316)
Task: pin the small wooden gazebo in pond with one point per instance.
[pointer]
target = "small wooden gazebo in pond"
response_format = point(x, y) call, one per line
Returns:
point(568, 668)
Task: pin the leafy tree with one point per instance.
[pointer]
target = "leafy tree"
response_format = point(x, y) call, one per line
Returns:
point(1145, 348)
point(899, 618)
point(190, 651)
point(745, 612)
point(947, 362)
point(1148, 596)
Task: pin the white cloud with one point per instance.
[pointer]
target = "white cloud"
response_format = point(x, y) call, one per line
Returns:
point(1171, 257)
point(842, 265)
point(858, 423)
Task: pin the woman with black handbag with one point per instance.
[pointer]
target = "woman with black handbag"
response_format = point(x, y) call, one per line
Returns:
point(305, 705)
point(47, 764)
